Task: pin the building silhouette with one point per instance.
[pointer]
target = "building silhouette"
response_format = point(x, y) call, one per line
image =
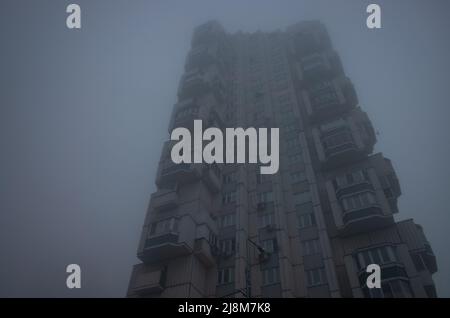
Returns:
point(310, 230)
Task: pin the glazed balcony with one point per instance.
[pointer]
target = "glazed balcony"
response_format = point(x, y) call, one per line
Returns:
point(162, 246)
point(339, 147)
point(344, 140)
point(320, 66)
point(328, 99)
point(389, 271)
point(361, 212)
point(147, 281)
point(164, 200)
point(185, 113)
point(193, 83)
point(423, 248)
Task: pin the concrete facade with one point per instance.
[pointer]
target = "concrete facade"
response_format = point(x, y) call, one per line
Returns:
point(225, 230)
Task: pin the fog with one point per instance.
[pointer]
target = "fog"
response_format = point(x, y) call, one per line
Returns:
point(83, 115)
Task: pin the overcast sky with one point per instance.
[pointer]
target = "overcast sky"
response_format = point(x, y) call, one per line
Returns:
point(83, 115)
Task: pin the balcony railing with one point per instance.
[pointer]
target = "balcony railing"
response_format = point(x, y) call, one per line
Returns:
point(162, 246)
point(361, 186)
point(147, 282)
point(389, 271)
point(367, 218)
point(164, 199)
point(193, 83)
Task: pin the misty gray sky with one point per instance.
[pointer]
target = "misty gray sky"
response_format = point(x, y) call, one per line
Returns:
point(83, 115)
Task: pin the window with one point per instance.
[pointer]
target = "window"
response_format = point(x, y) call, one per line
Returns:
point(270, 246)
point(332, 125)
point(229, 197)
point(265, 197)
point(225, 276)
point(212, 239)
point(271, 275)
point(337, 139)
point(298, 176)
point(306, 220)
point(316, 277)
point(358, 201)
point(227, 220)
point(228, 246)
point(311, 247)
point(164, 226)
point(302, 197)
point(379, 255)
point(323, 95)
point(351, 178)
point(391, 289)
point(266, 219)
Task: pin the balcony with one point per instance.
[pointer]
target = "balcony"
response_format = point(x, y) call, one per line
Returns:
point(361, 186)
point(328, 99)
point(203, 251)
point(185, 113)
point(163, 246)
point(364, 219)
point(193, 83)
point(320, 66)
point(164, 200)
point(170, 173)
point(339, 147)
point(146, 281)
point(389, 271)
point(419, 244)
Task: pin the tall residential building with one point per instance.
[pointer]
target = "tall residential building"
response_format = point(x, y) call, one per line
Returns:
point(310, 230)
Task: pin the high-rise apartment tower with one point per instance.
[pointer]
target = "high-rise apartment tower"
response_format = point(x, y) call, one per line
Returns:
point(310, 230)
